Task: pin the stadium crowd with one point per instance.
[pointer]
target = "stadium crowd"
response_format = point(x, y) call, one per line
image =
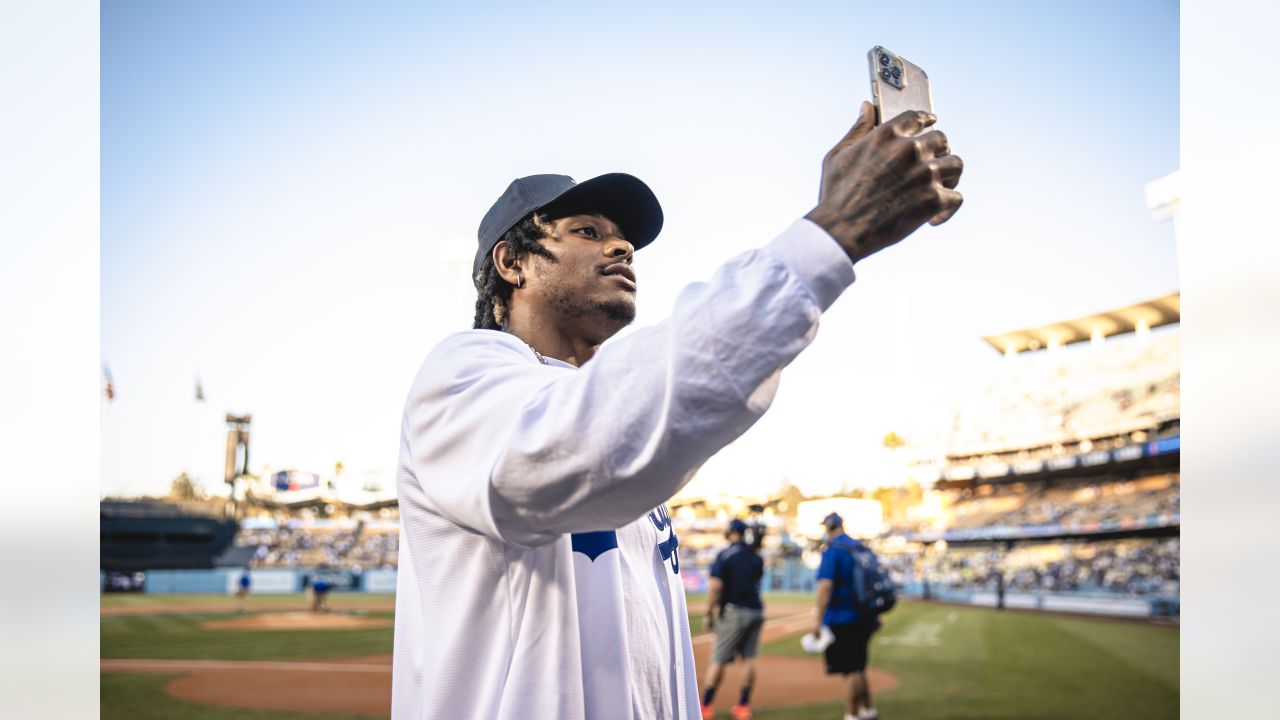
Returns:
point(301, 546)
point(1074, 502)
point(1129, 567)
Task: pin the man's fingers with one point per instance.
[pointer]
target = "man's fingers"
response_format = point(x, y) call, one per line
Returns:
point(865, 123)
point(948, 170)
point(933, 144)
point(912, 122)
point(951, 201)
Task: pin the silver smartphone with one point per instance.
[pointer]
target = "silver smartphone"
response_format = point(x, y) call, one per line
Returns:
point(897, 85)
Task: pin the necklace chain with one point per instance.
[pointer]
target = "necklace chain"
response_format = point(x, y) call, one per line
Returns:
point(537, 354)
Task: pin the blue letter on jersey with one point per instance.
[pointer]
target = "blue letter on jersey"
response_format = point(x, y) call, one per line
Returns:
point(668, 550)
point(662, 521)
point(594, 544)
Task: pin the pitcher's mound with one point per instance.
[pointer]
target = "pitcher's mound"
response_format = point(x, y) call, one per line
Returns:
point(296, 621)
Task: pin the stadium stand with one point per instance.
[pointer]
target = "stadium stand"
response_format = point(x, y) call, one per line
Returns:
point(1072, 501)
point(1135, 567)
point(1057, 398)
point(343, 543)
point(139, 536)
point(378, 547)
point(1058, 473)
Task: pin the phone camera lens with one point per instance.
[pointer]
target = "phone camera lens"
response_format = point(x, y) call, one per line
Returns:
point(897, 72)
point(884, 73)
point(884, 59)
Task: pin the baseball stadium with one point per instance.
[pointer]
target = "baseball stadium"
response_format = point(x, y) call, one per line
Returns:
point(443, 435)
point(1034, 547)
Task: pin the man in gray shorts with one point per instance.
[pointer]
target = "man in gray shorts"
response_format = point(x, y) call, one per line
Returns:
point(735, 591)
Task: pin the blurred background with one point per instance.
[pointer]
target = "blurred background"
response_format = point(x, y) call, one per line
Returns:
point(290, 193)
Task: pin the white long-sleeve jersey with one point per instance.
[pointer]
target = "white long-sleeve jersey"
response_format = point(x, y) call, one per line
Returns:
point(539, 574)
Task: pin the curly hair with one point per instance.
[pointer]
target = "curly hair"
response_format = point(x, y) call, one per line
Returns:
point(494, 293)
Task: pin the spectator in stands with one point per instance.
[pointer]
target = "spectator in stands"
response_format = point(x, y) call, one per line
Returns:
point(734, 590)
point(847, 655)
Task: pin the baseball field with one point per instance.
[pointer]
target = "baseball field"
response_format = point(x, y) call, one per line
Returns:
point(195, 658)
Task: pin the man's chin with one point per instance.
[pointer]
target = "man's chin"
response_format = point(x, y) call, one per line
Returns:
point(622, 312)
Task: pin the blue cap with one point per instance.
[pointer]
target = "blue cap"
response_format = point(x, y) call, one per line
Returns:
point(622, 198)
point(737, 526)
point(833, 521)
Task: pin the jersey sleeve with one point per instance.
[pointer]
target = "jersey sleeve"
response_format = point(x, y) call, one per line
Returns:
point(524, 452)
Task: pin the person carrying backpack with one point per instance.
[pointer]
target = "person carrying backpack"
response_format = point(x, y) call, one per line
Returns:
point(853, 591)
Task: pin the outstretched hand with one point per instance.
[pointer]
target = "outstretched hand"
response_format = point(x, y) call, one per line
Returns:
point(881, 183)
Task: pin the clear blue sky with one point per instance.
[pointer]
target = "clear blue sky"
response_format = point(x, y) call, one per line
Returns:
point(290, 193)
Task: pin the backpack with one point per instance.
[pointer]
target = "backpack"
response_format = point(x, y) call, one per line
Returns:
point(873, 591)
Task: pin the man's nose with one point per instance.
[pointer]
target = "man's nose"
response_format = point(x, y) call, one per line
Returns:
point(619, 249)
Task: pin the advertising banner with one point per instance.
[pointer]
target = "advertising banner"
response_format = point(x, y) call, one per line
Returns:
point(695, 581)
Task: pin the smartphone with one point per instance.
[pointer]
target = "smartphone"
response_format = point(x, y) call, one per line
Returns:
point(897, 85)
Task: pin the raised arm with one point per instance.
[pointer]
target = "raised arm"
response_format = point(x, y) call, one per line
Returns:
point(515, 449)
point(527, 453)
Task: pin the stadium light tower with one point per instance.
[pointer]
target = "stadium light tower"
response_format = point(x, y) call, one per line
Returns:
point(237, 462)
point(1164, 197)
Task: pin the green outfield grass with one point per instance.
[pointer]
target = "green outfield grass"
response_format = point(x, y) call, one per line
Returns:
point(130, 696)
point(178, 636)
point(959, 663)
point(696, 626)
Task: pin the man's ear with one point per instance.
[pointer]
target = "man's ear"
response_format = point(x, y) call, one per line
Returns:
point(507, 263)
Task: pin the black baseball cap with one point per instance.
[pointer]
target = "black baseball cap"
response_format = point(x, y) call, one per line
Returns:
point(622, 198)
point(737, 526)
point(832, 521)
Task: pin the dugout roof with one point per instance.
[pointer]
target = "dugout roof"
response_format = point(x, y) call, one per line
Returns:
point(1166, 310)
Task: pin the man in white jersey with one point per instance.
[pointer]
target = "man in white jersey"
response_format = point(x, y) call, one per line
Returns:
point(539, 575)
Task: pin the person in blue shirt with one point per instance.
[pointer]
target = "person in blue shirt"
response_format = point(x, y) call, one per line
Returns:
point(734, 591)
point(320, 595)
point(847, 655)
point(242, 590)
